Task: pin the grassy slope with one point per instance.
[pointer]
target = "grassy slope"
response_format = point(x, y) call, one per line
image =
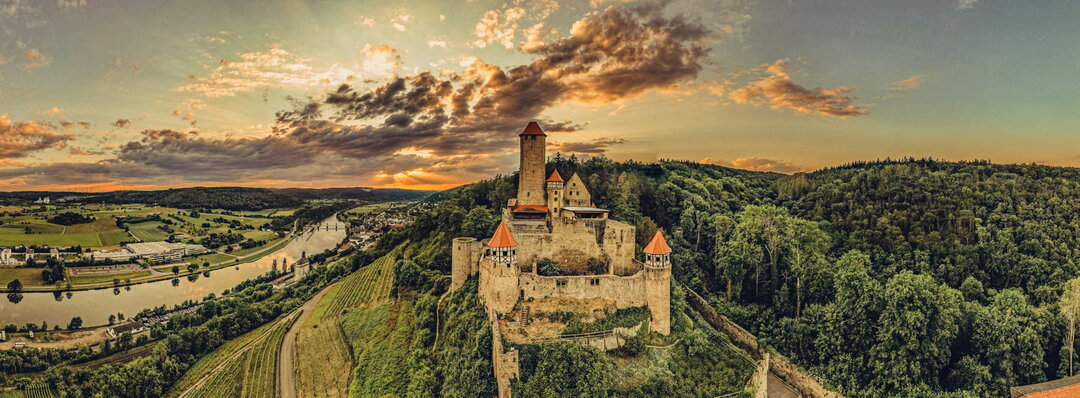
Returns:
point(324, 362)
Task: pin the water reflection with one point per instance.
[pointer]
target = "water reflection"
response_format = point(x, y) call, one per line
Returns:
point(94, 306)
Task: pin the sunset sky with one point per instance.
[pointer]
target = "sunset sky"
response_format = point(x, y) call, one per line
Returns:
point(117, 94)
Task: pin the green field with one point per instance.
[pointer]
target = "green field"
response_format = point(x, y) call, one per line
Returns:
point(148, 231)
point(28, 276)
point(323, 360)
point(243, 367)
point(86, 279)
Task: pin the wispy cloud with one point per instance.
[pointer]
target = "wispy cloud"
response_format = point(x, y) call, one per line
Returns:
point(777, 90)
point(498, 26)
point(965, 4)
point(594, 146)
point(275, 67)
point(20, 139)
point(909, 83)
point(757, 164)
point(34, 59)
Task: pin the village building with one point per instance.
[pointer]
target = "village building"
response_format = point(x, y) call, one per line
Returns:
point(132, 327)
point(553, 220)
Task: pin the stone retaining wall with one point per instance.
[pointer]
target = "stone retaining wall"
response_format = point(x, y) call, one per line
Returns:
point(777, 364)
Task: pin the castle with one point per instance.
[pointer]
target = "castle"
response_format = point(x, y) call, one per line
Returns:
point(553, 220)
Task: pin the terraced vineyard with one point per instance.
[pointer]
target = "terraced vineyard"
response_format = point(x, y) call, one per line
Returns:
point(324, 362)
point(244, 367)
point(39, 390)
point(370, 284)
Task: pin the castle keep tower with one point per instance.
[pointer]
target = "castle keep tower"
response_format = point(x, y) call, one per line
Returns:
point(531, 177)
point(658, 283)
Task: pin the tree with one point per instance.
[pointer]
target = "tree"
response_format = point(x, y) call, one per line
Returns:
point(918, 324)
point(566, 369)
point(480, 222)
point(175, 269)
point(15, 285)
point(112, 319)
point(75, 323)
point(1070, 310)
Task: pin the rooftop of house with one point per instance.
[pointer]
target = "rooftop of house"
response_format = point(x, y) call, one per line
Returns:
point(1066, 387)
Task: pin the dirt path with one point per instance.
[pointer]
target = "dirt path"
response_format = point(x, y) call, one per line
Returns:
point(286, 380)
point(67, 339)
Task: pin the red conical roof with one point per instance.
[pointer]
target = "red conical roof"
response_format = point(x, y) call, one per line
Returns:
point(502, 237)
point(658, 245)
point(532, 129)
point(555, 177)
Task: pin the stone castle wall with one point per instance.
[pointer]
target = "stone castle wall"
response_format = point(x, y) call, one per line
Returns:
point(626, 291)
point(577, 239)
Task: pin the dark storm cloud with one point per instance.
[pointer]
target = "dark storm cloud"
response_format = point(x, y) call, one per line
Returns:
point(618, 53)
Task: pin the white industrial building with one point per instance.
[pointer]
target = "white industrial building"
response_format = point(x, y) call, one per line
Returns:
point(151, 251)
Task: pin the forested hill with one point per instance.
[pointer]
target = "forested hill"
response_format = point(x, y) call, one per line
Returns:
point(908, 278)
point(359, 193)
point(235, 198)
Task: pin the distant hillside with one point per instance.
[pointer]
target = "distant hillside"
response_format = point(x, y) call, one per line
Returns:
point(238, 198)
point(359, 193)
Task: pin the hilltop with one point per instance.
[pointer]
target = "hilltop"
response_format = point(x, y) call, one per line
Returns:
point(824, 266)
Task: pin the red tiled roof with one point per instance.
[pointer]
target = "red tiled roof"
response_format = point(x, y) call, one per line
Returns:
point(530, 209)
point(1060, 388)
point(532, 129)
point(502, 237)
point(658, 245)
point(555, 177)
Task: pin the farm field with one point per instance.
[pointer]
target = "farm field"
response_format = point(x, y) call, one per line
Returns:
point(373, 208)
point(104, 232)
point(324, 362)
point(242, 367)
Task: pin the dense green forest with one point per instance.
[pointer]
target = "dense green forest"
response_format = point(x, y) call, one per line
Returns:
point(900, 278)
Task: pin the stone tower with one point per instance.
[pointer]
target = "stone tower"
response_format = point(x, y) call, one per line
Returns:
point(554, 192)
point(658, 284)
point(531, 178)
point(499, 279)
point(465, 254)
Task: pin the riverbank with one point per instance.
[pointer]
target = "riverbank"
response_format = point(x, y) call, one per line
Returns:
point(154, 275)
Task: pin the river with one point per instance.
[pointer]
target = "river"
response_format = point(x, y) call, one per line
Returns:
point(95, 306)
